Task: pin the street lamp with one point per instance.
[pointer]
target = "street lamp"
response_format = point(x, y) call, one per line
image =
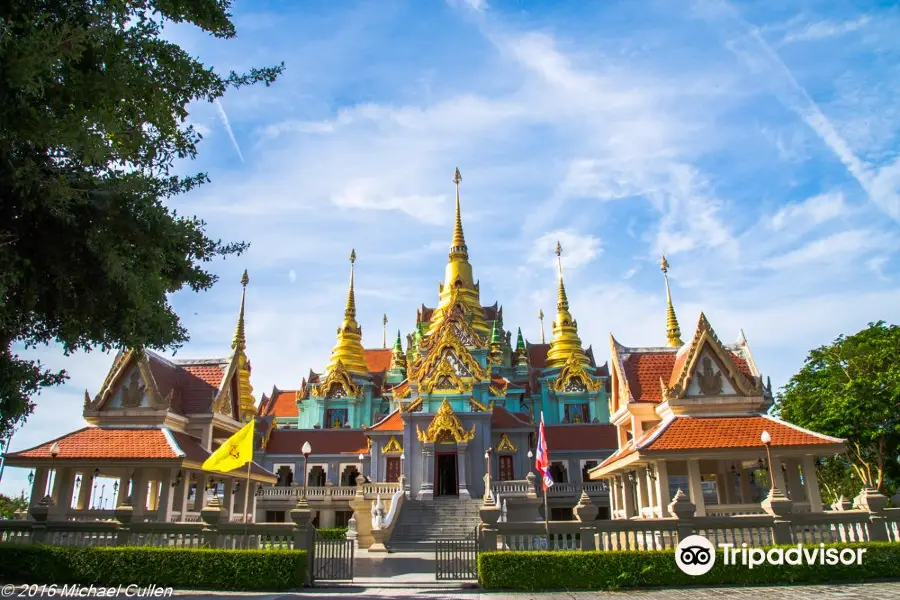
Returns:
point(306, 450)
point(766, 439)
point(116, 491)
point(487, 468)
point(362, 464)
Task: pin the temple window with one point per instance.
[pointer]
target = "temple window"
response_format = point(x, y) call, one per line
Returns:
point(558, 472)
point(285, 474)
point(335, 418)
point(316, 476)
point(577, 413)
point(588, 465)
point(507, 473)
point(349, 475)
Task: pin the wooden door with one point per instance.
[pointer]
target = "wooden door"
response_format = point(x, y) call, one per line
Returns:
point(393, 468)
point(506, 468)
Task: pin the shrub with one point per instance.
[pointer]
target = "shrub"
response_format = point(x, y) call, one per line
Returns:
point(333, 533)
point(208, 569)
point(625, 569)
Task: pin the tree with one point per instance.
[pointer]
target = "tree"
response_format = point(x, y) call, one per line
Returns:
point(851, 389)
point(92, 121)
point(8, 505)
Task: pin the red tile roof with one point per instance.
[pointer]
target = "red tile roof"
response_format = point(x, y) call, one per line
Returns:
point(537, 355)
point(643, 371)
point(378, 359)
point(322, 441)
point(697, 433)
point(283, 404)
point(504, 419)
point(588, 436)
point(393, 422)
point(106, 443)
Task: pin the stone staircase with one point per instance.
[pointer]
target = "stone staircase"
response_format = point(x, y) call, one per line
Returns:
point(424, 521)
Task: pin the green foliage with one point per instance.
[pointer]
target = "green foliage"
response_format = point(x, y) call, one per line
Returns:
point(851, 389)
point(176, 567)
point(333, 533)
point(92, 122)
point(8, 506)
point(532, 571)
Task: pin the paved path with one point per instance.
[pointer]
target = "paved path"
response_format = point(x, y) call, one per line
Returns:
point(866, 591)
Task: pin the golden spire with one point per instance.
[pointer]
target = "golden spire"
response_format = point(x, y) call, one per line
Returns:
point(349, 349)
point(565, 342)
point(459, 240)
point(673, 332)
point(541, 318)
point(246, 401)
point(459, 282)
point(240, 339)
point(384, 322)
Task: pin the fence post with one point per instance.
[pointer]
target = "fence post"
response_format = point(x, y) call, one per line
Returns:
point(682, 509)
point(39, 513)
point(873, 501)
point(490, 514)
point(780, 508)
point(304, 535)
point(586, 512)
point(124, 514)
point(211, 514)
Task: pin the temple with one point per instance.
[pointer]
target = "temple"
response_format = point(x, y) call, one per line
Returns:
point(407, 439)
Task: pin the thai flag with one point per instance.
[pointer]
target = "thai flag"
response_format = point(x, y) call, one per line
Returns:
point(542, 458)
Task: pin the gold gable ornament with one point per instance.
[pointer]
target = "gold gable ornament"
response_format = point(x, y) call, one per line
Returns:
point(506, 444)
point(393, 445)
point(573, 378)
point(445, 426)
point(337, 384)
point(445, 378)
point(499, 390)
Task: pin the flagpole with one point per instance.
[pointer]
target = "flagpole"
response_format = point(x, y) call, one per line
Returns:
point(546, 517)
point(246, 501)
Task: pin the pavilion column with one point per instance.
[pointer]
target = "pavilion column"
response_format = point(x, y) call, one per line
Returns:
point(63, 485)
point(153, 494)
point(84, 493)
point(139, 486)
point(794, 485)
point(200, 495)
point(611, 484)
point(232, 488)
point(121, 492)
point(662, 488)
point(695, 486)
point(721, 487)
point(746, 492)
point(39, 486)
point(426, 488)
point(640, 479)
point(628, 497)
point(254, 488)
point(461, 468)
point(811, 480)
point(651, 490)
point(185, 492)
point(778, 475)
point(166, 496)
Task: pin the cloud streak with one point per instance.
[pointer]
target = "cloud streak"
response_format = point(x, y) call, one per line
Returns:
point(227, 124)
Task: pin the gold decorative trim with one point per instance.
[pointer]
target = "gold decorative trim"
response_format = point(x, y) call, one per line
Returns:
point(393, 445)
point(401, 390)
point(445, 378)
point(499, 390)
point(445, 426)
point(574, 371)
point(339, 377)
point(506, 444)
point(478, 405)
point(706, 337)
point(413, 406)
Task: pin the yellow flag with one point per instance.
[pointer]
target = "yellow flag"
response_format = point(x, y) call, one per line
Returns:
point(236, 452)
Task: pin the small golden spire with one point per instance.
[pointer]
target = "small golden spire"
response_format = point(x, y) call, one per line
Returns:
point(459, 240)
point(240, 339)
point(541, 318)
point(384, 322)
point(348, 349)
point(565, 342)
point(673, 332)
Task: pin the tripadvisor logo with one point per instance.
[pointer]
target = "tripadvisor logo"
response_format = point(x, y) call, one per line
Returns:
point(695, 555)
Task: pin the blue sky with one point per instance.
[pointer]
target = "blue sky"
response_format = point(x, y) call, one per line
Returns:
point(757, 145)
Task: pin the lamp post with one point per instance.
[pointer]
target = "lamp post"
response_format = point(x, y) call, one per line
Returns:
point(116, 492)
point(362, 464)
point(766, 439)
point(306, 450)
point(54, 452)
point(487, 470)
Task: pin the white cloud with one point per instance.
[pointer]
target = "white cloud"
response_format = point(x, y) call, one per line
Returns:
point(812, 211)
point(292, 275)
point(227, 124)
point(837, 247)
point(577, 249)
point(824, 29)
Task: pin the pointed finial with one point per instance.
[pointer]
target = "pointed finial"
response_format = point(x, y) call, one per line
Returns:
point(495, 333)
point(398, 345)
point(541, 317)
point(352, 256)
point(350, 309)
point(562, 301)
point(240, 341)
point(673, 332)
point(384, 322)
point(458, 246)
point(520, 341)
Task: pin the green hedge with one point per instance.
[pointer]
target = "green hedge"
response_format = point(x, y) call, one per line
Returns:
point(626, 569)
point(206, 569)
point(333, 533)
